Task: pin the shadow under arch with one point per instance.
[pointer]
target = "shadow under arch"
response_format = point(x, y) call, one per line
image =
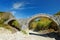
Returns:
point(10, 23)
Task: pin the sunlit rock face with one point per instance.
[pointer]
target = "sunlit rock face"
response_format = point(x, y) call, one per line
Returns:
point(6, 15)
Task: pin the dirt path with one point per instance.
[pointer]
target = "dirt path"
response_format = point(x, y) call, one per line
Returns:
point(7, 35)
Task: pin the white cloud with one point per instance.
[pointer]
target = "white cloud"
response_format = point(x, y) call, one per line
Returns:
point(17, 5)
point(20, 6)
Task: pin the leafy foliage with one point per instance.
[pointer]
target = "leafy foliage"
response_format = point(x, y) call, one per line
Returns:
point(42, 24)
point(16, 24)
point(33, 25)
point(58, 13)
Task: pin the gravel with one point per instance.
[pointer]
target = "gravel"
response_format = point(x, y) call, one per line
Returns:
point(7, 35)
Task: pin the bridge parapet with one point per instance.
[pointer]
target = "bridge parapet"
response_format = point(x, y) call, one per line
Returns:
point(6, 22)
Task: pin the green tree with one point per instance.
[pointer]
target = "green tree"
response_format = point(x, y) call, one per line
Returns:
point(16, 24)
point(42, 24)
point(58, 13)
point(33, 25)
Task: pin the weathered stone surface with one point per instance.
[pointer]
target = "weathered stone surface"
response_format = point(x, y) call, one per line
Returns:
point(26, 21)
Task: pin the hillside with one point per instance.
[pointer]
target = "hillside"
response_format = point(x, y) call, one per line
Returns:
point(5, 16)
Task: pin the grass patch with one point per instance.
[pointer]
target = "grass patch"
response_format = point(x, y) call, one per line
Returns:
point(6, 26)
point(24, 31)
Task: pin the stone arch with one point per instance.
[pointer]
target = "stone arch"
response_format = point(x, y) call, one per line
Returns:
point(6, 22)
point(9, 22)
point(42, 15)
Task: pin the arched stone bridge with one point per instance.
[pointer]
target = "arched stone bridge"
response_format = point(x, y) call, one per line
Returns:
point(26, 22)
point(56, 19)
point(9, 22)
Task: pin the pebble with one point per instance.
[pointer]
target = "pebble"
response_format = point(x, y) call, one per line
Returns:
point(7, 35)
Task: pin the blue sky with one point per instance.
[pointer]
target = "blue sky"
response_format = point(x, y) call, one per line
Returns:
point(27, 8)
